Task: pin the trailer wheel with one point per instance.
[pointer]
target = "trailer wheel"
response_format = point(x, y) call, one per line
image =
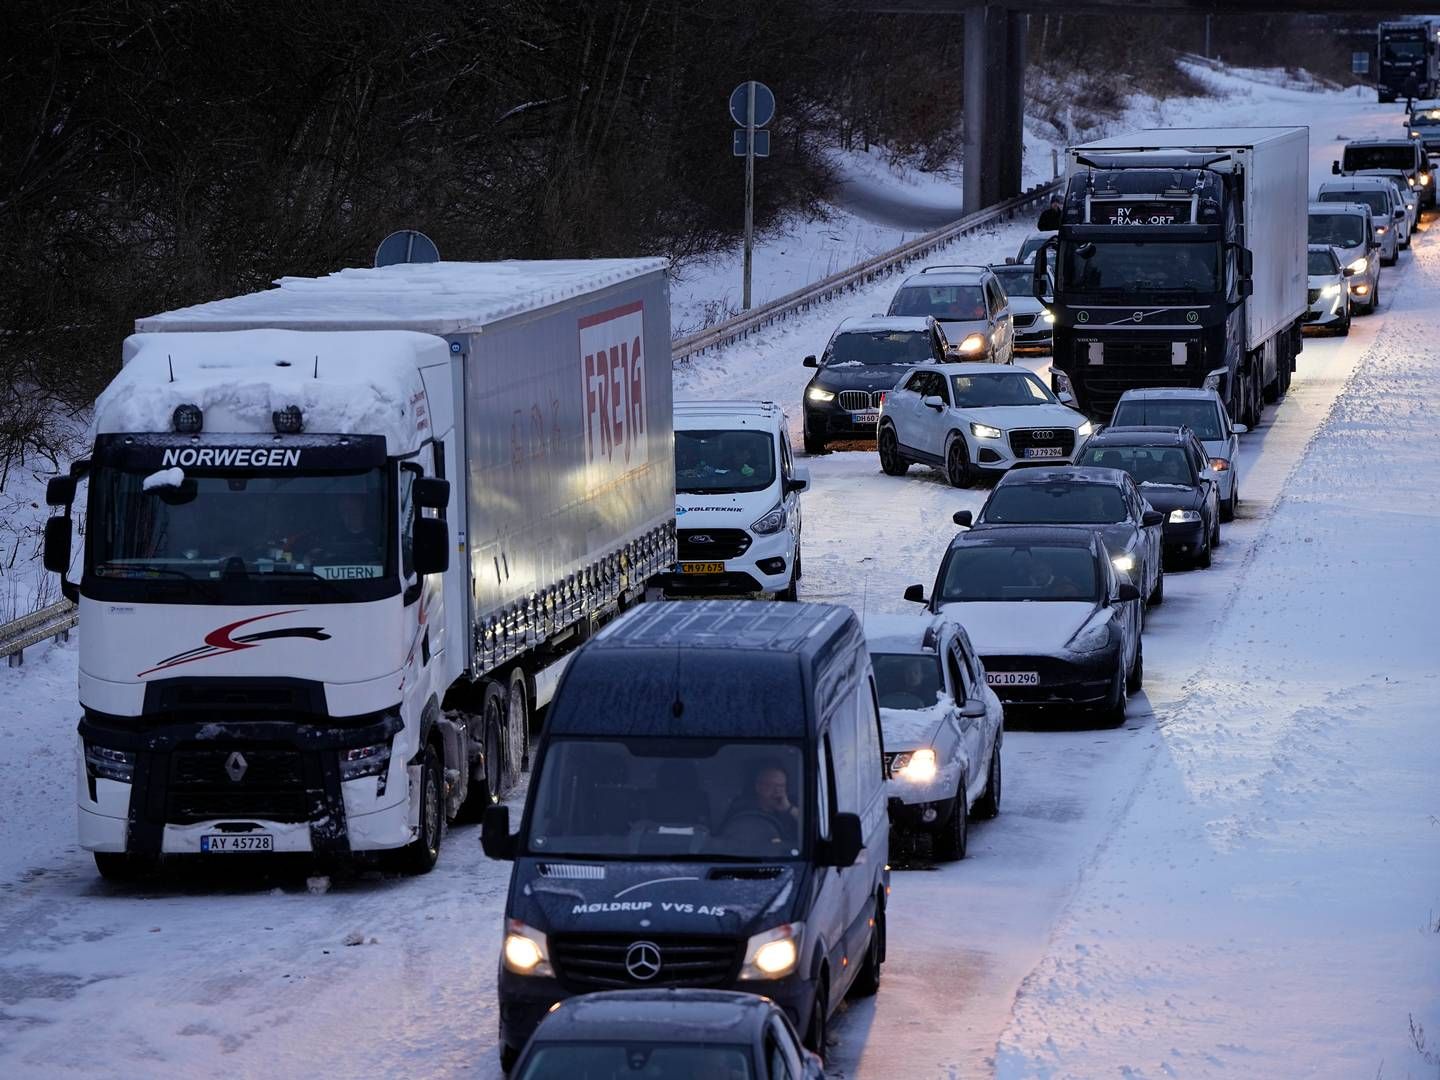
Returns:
point(517, 711)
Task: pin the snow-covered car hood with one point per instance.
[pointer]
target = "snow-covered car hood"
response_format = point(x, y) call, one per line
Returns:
point(910, 729)
point(1007, 417)
point(1025, 305)
point(856, 376)
point(723, 510)
point(1020, 627)
point(565, 895)
point(1166, 497)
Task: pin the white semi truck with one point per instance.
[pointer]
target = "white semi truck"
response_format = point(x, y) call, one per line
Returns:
point(342, 536)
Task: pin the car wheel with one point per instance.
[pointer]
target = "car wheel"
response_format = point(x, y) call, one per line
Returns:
point(421, 854)
point(988, 805)
point(1342, 328)
point(1136, 678)
point(1202, 560)
point(122, 866)
point(817, 1031)
point(508, 1056)
point(957, 463)
point(1114, 710)
point(952, 841)
point(891, 461)
point(814, 444)
point(1157, 595)
point(867, 979)
point(790, 592)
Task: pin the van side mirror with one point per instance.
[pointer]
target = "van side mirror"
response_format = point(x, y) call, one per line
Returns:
point(963, 518)
point(57, 542)
point(1152, 517)
point(495, 837)
point(1335, 167)
point(847, 840)
point(1399, 213)
point(799, 480)
point(810, 361)
point(431, 493)
point(1127, 592)
point(1349, 271)
point(432, 546)
point(915, 594)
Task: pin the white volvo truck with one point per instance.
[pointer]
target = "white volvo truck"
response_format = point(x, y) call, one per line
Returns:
point(342, 536)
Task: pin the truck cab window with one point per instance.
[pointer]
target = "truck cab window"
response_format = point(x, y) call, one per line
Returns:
point(408, 511)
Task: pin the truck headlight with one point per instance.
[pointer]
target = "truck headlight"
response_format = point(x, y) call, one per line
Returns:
point(972, 344)
point(525, 950)
point(1124, 561)
point(815, 393)
point(772, 954)
point(985, 431)
point(372, 760)
point(1330, 290)
point(1360, 265)
point(772, 522)
point(1183, 517)
point(915, 765)
point(103, 763)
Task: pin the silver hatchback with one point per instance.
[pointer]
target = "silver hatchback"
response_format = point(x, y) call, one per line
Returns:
point(1203, 412)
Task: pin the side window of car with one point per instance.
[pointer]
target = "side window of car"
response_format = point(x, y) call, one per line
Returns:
point(938, 387)
point(787, 463)
point(778, 1054)
point(937, 343)
point(959, 682)
point(843, 756)
point(916, 383)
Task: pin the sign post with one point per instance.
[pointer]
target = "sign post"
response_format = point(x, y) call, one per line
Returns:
point(752, 105)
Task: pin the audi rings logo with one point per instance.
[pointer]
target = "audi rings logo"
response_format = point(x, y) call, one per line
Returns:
point(235, 766)
point(1042, 435)
point(642, 961)
point(1138, 316)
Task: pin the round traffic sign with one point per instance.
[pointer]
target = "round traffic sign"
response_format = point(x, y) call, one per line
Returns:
point(764, 104)
point(406, 246)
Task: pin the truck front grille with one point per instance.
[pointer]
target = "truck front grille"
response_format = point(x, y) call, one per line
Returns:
point(241, 782)
point(1129, 364)
point(599, 961)
point(714, 545)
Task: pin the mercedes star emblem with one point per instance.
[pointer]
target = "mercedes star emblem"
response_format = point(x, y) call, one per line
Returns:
point(642, 961)
point(235, 766)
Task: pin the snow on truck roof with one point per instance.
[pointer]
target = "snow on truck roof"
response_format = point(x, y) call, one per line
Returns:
point(369, 383)
point(1194, 138)
point(436, 298)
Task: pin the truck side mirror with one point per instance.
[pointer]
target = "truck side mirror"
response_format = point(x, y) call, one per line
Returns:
point(915, 594)
point(1245, 286)
point(432, 546)
point(809, 361)
point(963, 518)
point(495, 837)
point(1335, 167)
point(57, 542)
point(60, 491)
point(1247, 262)
point(847, 840)
point(1040, 277)
point(431, 493)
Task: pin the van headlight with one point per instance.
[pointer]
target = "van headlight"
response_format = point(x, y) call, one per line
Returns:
point(917, 766)
point(772, 954)
point(525, 950)
point(772, 522)
point(103, 763)
point(973, 344)
point(815, 393)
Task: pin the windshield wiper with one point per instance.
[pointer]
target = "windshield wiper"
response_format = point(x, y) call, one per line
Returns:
point(289, 576)
point(105, 569)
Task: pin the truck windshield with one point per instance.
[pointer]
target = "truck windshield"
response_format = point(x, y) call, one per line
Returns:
point(176, 525)
point(907, 680)
point(1404, 50)
point(724, 461)
point(1055, 504)
point(1379, 157)
point(649, 798)
point(948, 303)
point(1338, 230)
point(1019, 572)
point(1126, 270)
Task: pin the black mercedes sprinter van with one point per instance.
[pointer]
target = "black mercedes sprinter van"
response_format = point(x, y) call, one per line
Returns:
point(707, 809)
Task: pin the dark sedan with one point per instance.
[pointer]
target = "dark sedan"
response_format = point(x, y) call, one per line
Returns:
point(1105, 500)
point(1052, 619)
point(1170, 467)
point(864, 359)
point(666, 1033)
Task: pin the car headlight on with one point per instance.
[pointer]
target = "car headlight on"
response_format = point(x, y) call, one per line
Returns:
point(1424, 179)
point(815, 393)
point(1124, 561)
point(772, 522)
point(972, 344)
point(525, 950)
point(1410, 180)
point(985, 431)
point(1219, 464)
point(772, 954)
point(1085, 429)
point(915, 765)
point(1379, 230)
point(1183, 517)
point(1360, 265)
point(1092, 638)
point(1047, 316)
point(103, 763)
point(1330, 290)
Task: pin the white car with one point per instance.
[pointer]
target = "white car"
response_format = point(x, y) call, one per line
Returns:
point(1329, 298)
point(943, 728)
point(972, 419)
point(737, 501)
point(1387, 211)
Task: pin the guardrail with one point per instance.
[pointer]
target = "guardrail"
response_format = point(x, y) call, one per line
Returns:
point(57, 620)
point(54, 621)
point(723, 333)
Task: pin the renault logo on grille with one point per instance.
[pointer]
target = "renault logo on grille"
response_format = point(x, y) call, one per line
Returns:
point(642, 960)
point(235, 766)
point(701, 538)
point(1042, 434)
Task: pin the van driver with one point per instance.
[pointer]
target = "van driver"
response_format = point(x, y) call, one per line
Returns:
point(769, 798)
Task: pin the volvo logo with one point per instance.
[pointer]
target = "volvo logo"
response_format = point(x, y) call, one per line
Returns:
point(1042, 435)
point(701, 538)
point(235, 766)
point(642, 961)
point(1138, 316)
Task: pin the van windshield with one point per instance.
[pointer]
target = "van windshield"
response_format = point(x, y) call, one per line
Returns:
point(1379, 157)
point(724, 461)
point(1377, 200)
point(1339, 230)
point(648, 798)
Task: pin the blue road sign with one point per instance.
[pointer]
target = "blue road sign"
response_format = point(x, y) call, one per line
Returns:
point(762, 143)
point(764, 104)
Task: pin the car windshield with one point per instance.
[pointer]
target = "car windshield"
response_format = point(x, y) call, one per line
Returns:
point(657, 798)
point(724, 461)
point(1017, 280)
point(998, 389)
point(1030, 246)
point(1148, 466)
point(1201, 417)
point(636, 1060)
point(907, 680)
point(878, 347)
point(950, 303)
point(1379, 157)
point(1019, 572)
point(1139, 269)
point(1341, 230)
point(1427, 118)
point(1322, 264)
point(1378, 201)
point(1055, 504)
point(207, 526)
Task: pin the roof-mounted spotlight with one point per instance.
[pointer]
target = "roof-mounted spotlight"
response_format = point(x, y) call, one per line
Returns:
point(289, 420)
point(187, 419)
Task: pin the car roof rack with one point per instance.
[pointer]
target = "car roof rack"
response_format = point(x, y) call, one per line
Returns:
point(940, 268)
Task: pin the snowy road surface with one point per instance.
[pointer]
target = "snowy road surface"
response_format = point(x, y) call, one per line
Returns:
point(1243, 881)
